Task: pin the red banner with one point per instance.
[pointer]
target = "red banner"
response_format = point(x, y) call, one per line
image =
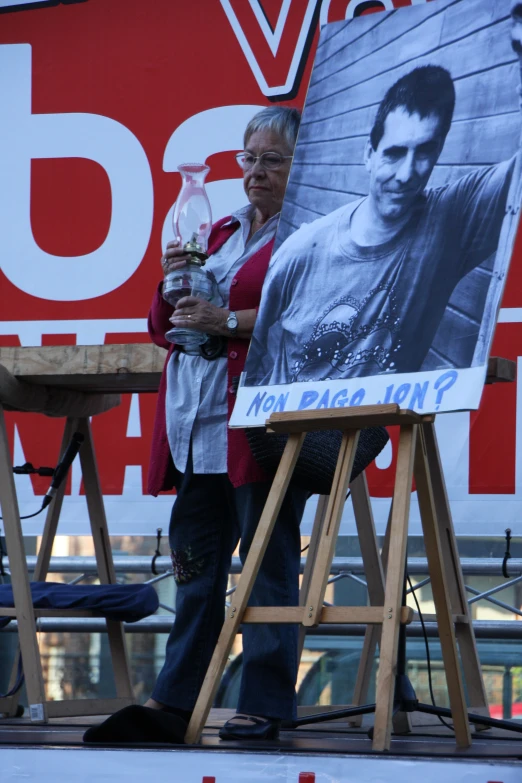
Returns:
point(100, 101)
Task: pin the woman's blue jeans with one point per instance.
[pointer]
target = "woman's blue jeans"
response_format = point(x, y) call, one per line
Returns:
point(208, 518)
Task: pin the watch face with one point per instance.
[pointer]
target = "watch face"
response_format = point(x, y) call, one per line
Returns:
point(232, 321)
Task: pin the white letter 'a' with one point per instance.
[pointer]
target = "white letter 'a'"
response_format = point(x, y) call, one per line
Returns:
point(25, 136)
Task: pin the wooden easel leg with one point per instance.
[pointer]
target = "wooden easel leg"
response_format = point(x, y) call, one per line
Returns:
point(330, 528)
point(102, 549)
point(320, 516)
point(393, 588)
point(44, 557)
point(401, 720)
point(375, 579)
point(441, 598)
point(454, 579)
point(372, 637)
point(244, 587)
point(53, 513)
point(20, 582)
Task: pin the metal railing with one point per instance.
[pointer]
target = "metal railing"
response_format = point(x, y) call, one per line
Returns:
point(133, 564)
point(342, 568)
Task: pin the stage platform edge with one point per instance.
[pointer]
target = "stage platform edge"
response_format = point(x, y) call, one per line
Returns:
point(322, 753)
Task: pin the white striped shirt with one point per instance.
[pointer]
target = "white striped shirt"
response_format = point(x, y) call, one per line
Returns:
point(196, 404)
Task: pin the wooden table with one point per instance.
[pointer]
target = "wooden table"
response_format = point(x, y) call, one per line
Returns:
point(75, 382)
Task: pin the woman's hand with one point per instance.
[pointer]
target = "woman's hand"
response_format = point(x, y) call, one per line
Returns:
point(194, 313)
point(174, 257)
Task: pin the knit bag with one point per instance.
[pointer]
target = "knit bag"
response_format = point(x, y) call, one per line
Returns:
point(317, 460)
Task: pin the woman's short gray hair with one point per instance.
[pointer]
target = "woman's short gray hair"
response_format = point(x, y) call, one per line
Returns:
point(281, 119)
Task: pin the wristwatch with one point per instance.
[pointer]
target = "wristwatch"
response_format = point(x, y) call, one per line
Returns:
point(232, 322)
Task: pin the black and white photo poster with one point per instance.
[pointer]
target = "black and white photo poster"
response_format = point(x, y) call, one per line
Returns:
point(399, 217)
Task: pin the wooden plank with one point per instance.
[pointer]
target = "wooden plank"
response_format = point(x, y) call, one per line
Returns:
point(102, 550)
point(328, 540)
point(367, 536)
point(456, 338)
point(53, 512)
point(373, 569)
point(298, 214)
point(435, 361)
point(441, 596)
point(20, 579)
point(485, 140)
point(481, 98)
point(393, 588)
point(360, 64)
point(475, 54)
point(473, 142)
point(341, 418)
point(101, 368)
point(337, 175)
point(453, 573)
point(342, 122)
point(469, 296)
point(338, 35)
point(459, 22)
point(401, 721)
point(378, 38)
point(353, 615)
point(372, 636)
point(244, 588)
point(350, 149)
point(44, 554)
point(311, 558)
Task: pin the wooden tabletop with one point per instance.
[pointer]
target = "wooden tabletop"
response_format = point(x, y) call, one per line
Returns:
point(135, 367)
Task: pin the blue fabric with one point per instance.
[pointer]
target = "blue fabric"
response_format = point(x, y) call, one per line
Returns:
point(208, 517)
point(128, 603)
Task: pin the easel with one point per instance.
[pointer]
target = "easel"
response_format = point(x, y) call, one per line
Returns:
point(19, 395)
point(417, 456)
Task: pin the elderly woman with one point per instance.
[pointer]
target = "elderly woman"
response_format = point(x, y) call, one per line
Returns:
point(221, 491)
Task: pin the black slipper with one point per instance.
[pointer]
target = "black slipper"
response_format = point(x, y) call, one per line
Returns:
point(138, 724)
point(256, 728)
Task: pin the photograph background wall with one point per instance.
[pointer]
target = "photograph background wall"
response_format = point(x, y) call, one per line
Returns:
point(472, 40)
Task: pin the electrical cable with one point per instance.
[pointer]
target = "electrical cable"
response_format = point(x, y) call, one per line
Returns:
point(58, 474)
point(29, 516)
point(428, 658)
point(507, 554)
point(157, 553)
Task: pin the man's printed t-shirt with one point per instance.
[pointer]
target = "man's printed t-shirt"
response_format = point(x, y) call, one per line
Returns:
point(334, 309)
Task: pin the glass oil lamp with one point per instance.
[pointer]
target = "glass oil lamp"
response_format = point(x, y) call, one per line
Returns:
point(192, 222)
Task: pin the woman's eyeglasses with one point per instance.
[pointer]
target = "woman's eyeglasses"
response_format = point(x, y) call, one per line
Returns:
point(270, 161)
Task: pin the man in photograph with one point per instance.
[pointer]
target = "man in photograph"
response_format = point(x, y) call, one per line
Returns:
point(362, 290)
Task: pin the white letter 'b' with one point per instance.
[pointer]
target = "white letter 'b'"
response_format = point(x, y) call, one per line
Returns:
point(92, 136)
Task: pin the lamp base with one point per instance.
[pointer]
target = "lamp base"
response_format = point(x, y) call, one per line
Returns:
point(188, 338)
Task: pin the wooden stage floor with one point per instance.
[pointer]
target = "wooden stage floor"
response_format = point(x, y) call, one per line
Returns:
point(427, 739)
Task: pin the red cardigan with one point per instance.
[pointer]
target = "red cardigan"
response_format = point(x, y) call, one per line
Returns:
point(245, 293)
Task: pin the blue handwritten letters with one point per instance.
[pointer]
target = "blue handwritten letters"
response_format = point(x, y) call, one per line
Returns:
point(424, 392)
